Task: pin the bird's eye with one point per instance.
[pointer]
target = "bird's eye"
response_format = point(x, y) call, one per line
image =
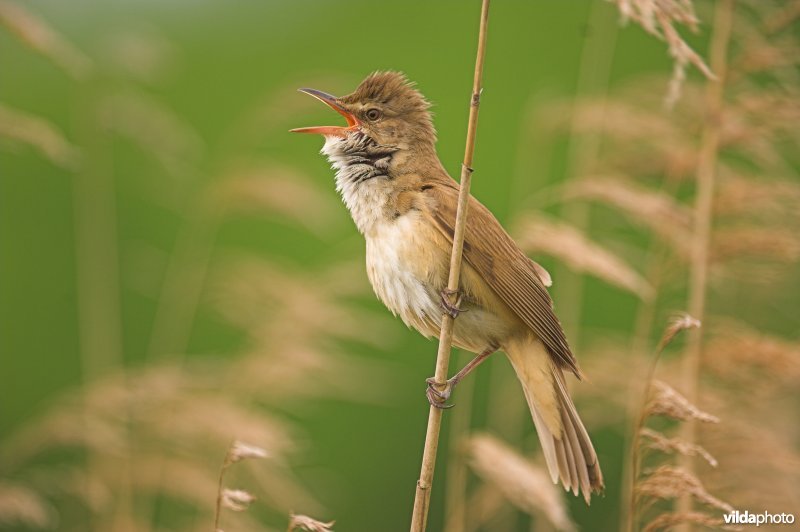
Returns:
point(373, 114)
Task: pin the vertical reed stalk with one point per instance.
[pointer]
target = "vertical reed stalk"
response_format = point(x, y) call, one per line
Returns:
point(643, 329)
point(185, 278)
point(457, 474)
point(635, 465)
point(645, 319)
point(181, 291)
point(706, 173)
point(423, 492)
point(98, 287)
point(593, 73)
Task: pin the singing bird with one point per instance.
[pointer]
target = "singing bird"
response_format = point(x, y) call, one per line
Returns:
point(404, 203)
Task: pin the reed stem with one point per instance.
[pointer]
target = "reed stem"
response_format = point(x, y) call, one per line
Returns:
point(422, 496)
point(706, 173)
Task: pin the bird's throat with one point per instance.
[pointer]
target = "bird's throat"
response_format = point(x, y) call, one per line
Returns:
point(357, 158)
point(363, 176)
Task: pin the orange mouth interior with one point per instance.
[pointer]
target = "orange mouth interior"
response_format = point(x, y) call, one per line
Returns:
point(330, 101)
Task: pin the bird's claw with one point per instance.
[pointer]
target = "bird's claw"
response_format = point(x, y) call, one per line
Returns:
point(452, 309)
point(438, 393)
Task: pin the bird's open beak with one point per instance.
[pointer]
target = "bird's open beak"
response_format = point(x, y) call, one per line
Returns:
point(330, 101)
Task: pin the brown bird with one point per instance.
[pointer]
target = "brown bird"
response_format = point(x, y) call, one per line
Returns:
point(404, 203)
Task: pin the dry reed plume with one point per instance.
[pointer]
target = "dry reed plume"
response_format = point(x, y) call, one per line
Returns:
point(661, 443)
point(40, 36)
point(236, 500)
point(667, 482)
point(239, 500)
point(656, 210)
point(303, 522)
point(659, 18)
point(24, 128)
point(538, 235)
point(525, 484)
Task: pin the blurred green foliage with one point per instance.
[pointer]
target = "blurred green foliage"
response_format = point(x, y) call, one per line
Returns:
point(216, 63)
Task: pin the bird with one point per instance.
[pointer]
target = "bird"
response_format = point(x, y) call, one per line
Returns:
point(403, 202)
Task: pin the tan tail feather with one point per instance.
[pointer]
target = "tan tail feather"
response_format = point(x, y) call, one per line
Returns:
point(567, 448)
point(592, 469)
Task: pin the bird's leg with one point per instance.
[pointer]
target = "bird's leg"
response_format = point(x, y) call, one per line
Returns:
point(452, 309)
point(438, 393)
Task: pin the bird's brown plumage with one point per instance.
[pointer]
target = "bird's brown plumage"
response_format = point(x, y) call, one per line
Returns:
point(513, 276)
point(404, 203)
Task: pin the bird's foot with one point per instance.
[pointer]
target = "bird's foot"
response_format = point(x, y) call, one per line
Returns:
point(452, 309)
point(438, 393)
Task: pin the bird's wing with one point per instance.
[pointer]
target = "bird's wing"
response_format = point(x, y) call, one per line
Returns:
point(514, 277)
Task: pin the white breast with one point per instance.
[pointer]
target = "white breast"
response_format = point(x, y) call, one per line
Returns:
point(396, 281)
point(399, 278)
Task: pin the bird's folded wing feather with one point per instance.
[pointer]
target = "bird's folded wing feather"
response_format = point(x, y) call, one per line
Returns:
point(506, 269)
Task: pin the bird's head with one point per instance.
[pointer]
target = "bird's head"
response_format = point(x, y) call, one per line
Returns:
point(384, 107)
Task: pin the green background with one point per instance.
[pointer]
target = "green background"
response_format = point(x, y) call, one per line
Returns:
point(360, 460)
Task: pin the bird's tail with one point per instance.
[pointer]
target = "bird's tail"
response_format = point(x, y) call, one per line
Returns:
point(567, 449)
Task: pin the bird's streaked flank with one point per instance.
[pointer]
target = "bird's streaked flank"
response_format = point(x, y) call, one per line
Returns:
point(404, 203)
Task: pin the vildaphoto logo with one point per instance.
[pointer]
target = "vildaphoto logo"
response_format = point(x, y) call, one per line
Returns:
point(764, 518)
